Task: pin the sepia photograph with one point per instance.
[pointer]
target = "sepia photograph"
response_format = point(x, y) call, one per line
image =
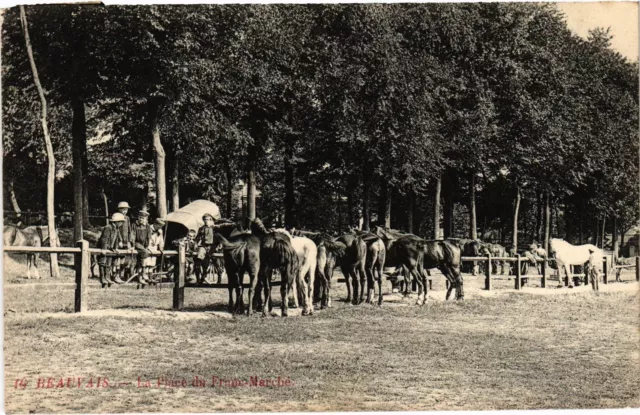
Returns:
point(322, 207)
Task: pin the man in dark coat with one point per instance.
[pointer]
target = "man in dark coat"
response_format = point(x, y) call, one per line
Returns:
point(139, 236)
point(109, 239)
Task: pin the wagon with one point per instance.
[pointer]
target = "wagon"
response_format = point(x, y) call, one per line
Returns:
point(188, 217)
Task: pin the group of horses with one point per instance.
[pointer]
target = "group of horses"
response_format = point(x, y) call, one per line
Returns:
point(303, 255)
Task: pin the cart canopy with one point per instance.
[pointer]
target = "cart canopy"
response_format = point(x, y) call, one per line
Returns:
point(188, 217)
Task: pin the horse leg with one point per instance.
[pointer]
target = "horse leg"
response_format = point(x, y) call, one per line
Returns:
point(459, 283)
point(450, 282)
point(35, 265)
point(329, 276)
point(346, 272)
point(253, 282)
point(418, 280)
point(29, 260)
point(293, 296)
point(231, 286)
point(284, 291)
point(355, 282)
point(379, 269)
point(407, 280)
point(370, 284)
point(266, 282)
point(312, 281)
point(304, 293)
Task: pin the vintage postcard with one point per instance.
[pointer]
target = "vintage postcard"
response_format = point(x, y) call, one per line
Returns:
point(320, 207)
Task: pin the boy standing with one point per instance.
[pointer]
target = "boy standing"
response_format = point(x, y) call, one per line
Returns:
point(109, 239)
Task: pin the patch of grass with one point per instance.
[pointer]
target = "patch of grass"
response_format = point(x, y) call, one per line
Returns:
point(509, 351)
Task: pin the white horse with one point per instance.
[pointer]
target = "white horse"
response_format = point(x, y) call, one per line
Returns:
point(308, 255)
point(567, 255)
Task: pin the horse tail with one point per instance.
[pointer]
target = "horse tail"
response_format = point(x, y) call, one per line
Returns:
point(287, 257)
point(336, 248)
point(361, 247)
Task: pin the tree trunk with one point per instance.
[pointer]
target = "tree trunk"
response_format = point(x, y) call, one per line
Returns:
point(14, 200)
point(175, 183)
point(604, 221)
point(516, 210)
point(51, 171)
point(106, 207)
point(538, 215)
point(339, 207)
point(448, 206)
point(350, 204)
point(436, 208)
point(78, 134)
point(614, 243)
point(365, 202)
point(289, 191)
point(473, 234)
point(547, 220)
point(384, 207)
point(410, 207)
point(227, 166)
point(85, 174)
point(158, 149)
point(251, 185)
point(581, 241)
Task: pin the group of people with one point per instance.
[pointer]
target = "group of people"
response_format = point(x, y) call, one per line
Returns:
point(148, 241)
point(121, 233)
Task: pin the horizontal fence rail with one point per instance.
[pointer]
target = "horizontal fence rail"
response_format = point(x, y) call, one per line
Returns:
point(82, 264)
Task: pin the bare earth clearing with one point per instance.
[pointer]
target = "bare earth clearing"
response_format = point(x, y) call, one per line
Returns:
point(533, 349)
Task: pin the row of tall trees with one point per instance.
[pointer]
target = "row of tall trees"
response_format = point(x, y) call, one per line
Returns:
point(489, 120)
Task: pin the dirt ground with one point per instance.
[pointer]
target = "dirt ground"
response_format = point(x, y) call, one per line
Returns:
point(501, 349)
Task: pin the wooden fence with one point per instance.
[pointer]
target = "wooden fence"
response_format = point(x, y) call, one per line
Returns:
point(82, 264)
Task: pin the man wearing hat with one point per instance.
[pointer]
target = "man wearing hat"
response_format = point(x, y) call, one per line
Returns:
point(139, 237)
point(532, 264)
point(204, 242)
point(109, 239)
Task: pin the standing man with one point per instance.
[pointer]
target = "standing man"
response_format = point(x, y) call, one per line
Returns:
point(139, 236)
point(204, 242)
point(109, 239)
point(120, 263)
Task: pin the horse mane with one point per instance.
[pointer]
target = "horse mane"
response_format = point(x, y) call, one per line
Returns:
point(258, 228)
point(283, 231)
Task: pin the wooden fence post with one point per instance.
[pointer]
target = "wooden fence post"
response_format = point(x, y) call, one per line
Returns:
point(487, 278)
point(638, 268)
point(586, 275)
point(518, 273)
point(178, 280)
point(543, 282)
point(605, 271)
point(82, 263)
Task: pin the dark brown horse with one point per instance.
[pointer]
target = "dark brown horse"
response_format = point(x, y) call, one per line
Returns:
point(374, 264)
point(241, 254)
point(416, 256)
point(328, 253)
point(276, 253)
point(35, 236)
point(352, 264)
point(444, 256)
